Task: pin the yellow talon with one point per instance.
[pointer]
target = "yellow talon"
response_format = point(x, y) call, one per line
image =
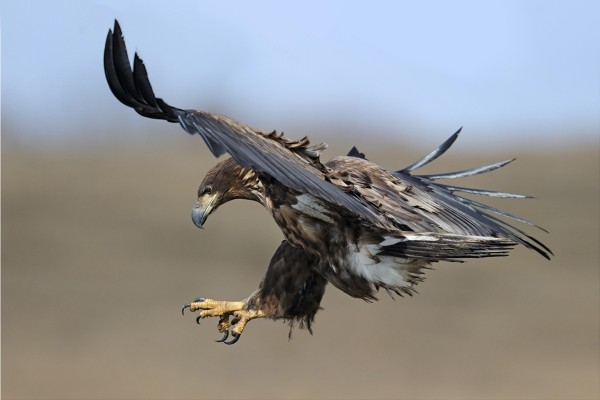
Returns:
point(225, 309)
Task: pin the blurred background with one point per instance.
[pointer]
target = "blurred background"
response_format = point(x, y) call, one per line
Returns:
point(99, 253)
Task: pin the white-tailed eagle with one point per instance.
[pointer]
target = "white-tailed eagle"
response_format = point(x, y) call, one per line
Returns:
point(348, 221)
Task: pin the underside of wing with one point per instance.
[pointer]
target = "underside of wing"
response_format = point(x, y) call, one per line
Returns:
point(293, 163)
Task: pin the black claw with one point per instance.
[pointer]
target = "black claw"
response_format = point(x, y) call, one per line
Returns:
point(198, 318)
point(189, 305)
point(236, 337)
point(224, 338)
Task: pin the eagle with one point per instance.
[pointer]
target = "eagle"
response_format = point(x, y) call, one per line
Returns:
point(347, 221)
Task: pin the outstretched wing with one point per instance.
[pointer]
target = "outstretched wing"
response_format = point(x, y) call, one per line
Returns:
point(293, 163)
point(430, 205)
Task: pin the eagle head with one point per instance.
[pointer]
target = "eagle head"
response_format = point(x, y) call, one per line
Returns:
point(224, 182)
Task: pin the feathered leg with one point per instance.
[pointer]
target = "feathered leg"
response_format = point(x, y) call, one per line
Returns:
point(292, 290)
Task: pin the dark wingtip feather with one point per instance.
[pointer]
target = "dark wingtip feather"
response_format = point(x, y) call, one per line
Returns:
point(434, 154)
point(121, 62)
point(117, 26)
point(111, 74)
point(140, 77)
point(131, 86)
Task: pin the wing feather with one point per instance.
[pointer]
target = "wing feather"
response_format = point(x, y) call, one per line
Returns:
point(482, 192)
point(475, 204)
point(468, 172)
point(434, 154)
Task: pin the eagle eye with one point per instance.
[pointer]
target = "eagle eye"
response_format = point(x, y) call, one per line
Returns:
point(207, 190)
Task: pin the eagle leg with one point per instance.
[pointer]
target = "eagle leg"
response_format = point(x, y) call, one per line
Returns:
point(224, 309)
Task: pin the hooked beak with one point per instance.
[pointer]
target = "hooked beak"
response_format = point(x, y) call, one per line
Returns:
point(202, 208)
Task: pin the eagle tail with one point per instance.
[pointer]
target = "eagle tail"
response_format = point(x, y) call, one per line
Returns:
point(132, 86)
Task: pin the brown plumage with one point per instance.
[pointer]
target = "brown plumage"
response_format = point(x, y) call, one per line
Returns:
point(347, 222)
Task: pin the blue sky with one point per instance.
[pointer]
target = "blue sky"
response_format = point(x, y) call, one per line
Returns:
point(528, 69)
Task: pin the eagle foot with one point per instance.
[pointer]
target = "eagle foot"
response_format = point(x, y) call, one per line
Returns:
point(237, 310)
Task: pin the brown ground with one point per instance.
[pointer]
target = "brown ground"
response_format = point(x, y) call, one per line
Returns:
point(99, 254)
